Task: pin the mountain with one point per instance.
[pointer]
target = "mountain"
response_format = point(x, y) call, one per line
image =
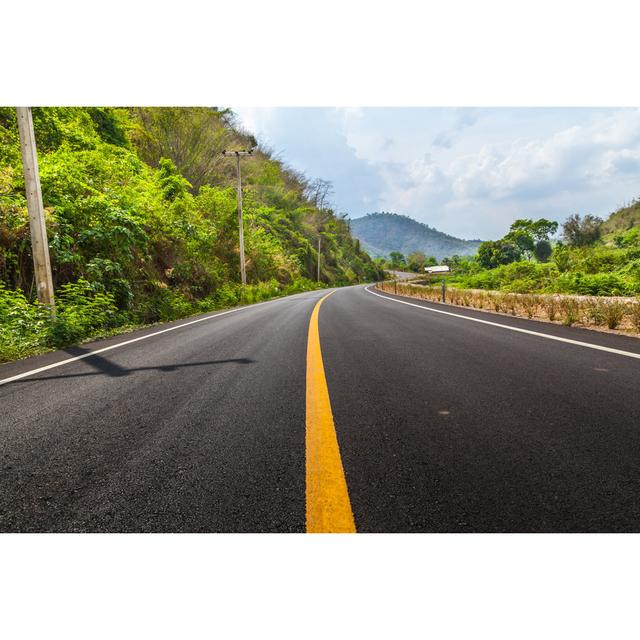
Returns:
point(381, 233)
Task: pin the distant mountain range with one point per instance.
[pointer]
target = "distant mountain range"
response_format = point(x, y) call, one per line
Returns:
point(381, 233)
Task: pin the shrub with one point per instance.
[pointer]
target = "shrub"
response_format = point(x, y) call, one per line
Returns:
point(530, 304)
point(615, 312)
point(571, 310)
point(599, 284)
point(598, 313)
point(634, 314)
point(23, 325)
point(80, 311)
point(551, 307)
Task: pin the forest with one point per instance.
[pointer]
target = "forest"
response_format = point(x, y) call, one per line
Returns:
point(141, 214)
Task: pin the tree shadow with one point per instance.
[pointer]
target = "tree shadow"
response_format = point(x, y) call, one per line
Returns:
point(104, 367)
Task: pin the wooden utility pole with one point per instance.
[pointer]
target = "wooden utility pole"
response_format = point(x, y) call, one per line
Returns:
point(319, 258)
point(237, 155)
point(39, 240)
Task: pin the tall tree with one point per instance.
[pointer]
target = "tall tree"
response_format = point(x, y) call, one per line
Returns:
point(581, 232)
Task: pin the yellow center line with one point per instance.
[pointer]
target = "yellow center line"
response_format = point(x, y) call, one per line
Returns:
point(328, 504)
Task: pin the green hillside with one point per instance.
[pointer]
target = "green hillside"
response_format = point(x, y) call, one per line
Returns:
point(142, 222)
point(591, 258)
point(622, 220)
point(382, 233)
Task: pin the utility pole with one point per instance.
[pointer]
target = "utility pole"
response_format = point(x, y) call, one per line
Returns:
point(39, 240)
point(319, 258)
point(237, 155)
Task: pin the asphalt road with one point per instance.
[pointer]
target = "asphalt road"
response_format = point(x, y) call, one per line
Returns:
point(444, 424)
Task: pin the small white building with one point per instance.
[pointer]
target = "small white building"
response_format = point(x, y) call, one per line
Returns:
point(441, 268)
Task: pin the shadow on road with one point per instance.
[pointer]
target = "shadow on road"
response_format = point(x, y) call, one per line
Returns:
point(104, 366)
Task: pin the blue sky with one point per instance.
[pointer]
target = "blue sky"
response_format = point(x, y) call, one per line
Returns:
point(469, 172)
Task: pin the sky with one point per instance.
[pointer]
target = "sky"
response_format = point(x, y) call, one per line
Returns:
point(466, 171)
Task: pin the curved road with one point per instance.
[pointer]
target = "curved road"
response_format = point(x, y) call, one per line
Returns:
point(369, 413)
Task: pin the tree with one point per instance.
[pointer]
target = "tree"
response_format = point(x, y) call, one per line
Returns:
point(493, 253)
point(538, 229)
point(542, 250)
point(192, 138)
point(526, 233)
point(562, 257)
point(522, 238)
point(581, 232)
point(398, 261)
point(416, 261)
point(319, 193)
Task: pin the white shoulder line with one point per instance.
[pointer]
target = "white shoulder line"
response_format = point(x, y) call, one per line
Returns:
point(126, 342)
point(620, 352)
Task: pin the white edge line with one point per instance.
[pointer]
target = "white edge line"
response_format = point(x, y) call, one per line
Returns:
point(53, 365)
point(620, 352)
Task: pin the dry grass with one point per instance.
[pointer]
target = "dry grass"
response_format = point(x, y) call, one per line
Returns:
point(613, 313)
point(634, 315)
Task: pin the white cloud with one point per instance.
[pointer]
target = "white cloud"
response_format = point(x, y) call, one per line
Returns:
point(468, 172)
point(466, 193)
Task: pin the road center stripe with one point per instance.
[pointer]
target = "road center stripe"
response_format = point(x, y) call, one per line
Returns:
point(589, 345)
point(328, 504)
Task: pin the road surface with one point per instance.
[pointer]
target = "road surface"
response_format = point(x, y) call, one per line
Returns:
point(367, 413)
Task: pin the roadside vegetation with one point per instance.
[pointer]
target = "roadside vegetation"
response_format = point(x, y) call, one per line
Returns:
point(622, 314)
point(590, 276)
point(591, 258)
point(142, 222)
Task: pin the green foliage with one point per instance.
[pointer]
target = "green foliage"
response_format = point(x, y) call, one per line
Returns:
point(581, 232)
point(537, 230)
point(397, 260)
point(629, 239)
point(80, 311)
point(493, 253)
point(516, 277)
point(561, 256)
point(173, 185)
point(23, 325)
point(582, 266)
point(542, 250)
point(598, 284)
point(417, 261)
point(142, 219)
point(623, 219)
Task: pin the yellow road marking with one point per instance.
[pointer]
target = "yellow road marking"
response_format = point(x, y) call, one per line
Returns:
point(328, 504)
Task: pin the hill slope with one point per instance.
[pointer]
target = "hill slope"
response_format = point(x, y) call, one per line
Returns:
point(381, 233)
point(142, 223)
point(623, 219)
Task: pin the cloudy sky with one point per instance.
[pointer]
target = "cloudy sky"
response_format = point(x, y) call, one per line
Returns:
point(468, 172)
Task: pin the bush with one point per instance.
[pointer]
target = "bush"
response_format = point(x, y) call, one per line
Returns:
point(615, 312)
point(599, 284)
point(23, 325)
point(80, 312)
point(634, 315)
point(517, 277)
point(551, 307)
